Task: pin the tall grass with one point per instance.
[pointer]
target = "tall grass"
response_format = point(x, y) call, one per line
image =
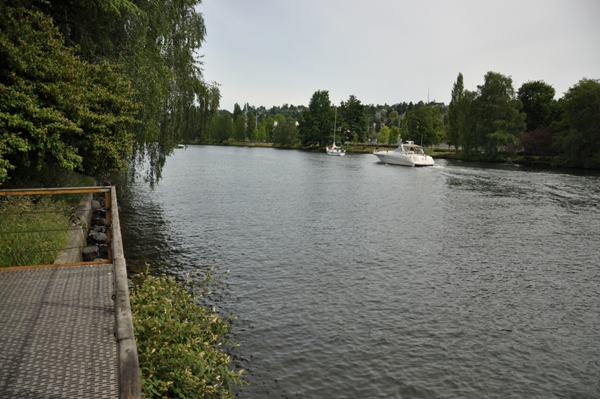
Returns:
point(33, 229)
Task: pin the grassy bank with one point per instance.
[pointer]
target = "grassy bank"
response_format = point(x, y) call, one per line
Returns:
point(35, 228)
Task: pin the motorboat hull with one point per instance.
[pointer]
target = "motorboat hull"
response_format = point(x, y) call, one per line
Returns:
point(396, 158)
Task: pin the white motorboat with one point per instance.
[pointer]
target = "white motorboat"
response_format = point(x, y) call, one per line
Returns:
point(334, 149)
point(407, 154)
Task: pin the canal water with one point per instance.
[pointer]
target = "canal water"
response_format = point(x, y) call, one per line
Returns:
point(355, 279)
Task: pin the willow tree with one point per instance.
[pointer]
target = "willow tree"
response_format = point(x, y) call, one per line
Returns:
point(157, 44)
point(162, 62)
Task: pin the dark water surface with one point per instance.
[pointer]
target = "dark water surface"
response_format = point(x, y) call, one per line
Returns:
point(354, 279)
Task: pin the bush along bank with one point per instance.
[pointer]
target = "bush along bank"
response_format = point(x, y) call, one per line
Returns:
point(181, 344)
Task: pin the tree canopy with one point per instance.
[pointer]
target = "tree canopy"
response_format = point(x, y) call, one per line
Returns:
point(454, 113)
point(317, 121)
point(352, 121)
point(578, 135)
point(499, 115)
point(538, 102)
point(150, 47)
point(56, 109)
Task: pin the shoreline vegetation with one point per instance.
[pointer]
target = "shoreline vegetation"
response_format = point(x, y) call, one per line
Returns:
point(435, 152)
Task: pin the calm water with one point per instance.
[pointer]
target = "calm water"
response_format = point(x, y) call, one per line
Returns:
point(354, 279)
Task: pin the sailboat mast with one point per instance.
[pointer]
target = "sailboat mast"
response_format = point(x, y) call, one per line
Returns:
point(334, 125)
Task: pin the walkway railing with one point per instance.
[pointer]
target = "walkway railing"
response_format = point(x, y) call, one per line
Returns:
point(127, 357)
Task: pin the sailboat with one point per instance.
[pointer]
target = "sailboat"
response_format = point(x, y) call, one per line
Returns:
point(334, 149)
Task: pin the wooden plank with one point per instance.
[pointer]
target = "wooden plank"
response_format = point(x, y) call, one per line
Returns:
point(130, 384)
point(50, 191)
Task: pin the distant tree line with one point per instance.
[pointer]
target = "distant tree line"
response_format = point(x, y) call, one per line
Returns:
point(97, 86)
point(491, 120)
point(353, 122)
point(495, 118)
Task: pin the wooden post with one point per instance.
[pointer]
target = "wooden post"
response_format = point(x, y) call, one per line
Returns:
point(108, 207)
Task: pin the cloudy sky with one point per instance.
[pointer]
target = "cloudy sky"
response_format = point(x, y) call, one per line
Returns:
point(272, 52)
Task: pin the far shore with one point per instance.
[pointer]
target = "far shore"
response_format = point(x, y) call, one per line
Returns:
point(441, 151)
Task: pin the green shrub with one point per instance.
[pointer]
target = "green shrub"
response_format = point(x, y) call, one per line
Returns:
point(180, 342)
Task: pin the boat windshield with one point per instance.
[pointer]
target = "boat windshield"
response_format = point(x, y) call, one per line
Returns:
point(412, 149)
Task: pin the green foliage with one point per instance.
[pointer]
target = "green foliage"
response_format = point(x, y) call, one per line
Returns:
point(285, 131)
point(425, 125)
point(156, 44)
point(239, 128)
point(578, 137)
point(250, 124)
point(180, 342)
point(467, 138)
point(384, 134)
point(33, 230)
point(538, 102)
point(316, 126)
point(394, 134)
point(221, 128)
point(455, 113)
point(352, 120)
point(55, 108)
point(236, 111)
point(499, 116)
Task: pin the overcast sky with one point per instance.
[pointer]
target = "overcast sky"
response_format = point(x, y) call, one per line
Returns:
point(272, 52)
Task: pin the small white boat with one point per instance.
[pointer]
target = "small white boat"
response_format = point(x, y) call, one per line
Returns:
point(408, 154)
point(181, 146)
point(334, 149)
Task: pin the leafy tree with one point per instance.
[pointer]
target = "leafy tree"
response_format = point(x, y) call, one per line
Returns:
point(384, 134)
point(316, 125)
point(221, 128)
point(578, 137)
point(156, 43)
point(538, 102)
point(467, 120)
point(394, 134)
point(56, 108)
point(539, 141)
point(268, 123)
point(236, 111)
point(261, 134)
point(239, 128)
point(285, 132)
point(454, 113)
point(425, 125)
point(499, 115)
point(250, 124)
point(404, 132)
point(352, 119)
point(394, 118)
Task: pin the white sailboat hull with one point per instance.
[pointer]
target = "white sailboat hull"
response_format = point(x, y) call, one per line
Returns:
point(336, 151)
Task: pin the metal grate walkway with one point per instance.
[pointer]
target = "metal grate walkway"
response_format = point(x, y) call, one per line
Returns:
point(57, 333)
